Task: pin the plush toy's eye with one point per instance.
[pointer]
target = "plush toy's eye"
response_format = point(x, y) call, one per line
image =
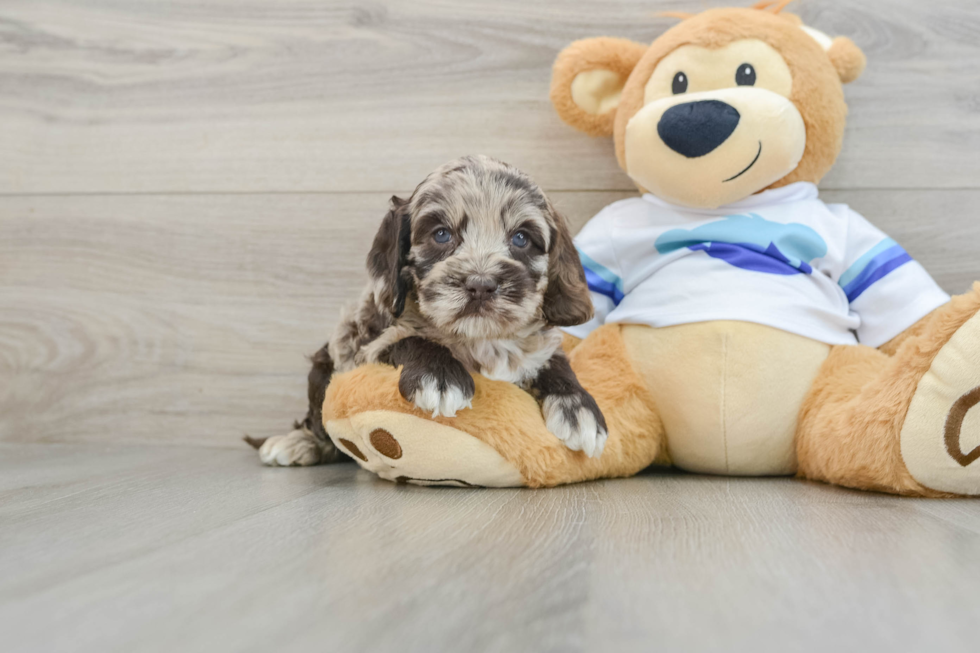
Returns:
point(745, 76)
point(442, 236)
point(519, 239)
point(680, 84)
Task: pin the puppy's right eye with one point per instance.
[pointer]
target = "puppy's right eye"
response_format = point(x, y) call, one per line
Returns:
point(442, 236)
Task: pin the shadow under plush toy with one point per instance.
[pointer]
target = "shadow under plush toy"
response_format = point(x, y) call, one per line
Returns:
point(730, 300)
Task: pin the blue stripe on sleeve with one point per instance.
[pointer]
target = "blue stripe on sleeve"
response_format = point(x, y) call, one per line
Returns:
point(601, 279)
point(859, 265)
point(877, 263)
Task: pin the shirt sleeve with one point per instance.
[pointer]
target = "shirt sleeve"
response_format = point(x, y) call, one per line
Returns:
point(885, 287)
point(595, 249)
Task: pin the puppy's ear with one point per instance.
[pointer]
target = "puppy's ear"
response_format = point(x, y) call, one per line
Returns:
point(388, 256)
point(567, 301)
point(588, 78)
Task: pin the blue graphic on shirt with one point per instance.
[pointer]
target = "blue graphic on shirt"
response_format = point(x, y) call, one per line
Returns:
point(875, 264)
point(601, 279)
point(751, 242)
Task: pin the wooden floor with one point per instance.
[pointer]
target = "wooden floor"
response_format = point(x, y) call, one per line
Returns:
point(187, 192)
point(139, 548)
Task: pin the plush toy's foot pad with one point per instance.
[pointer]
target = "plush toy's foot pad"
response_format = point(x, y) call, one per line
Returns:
point(408, 449)
point(941, 434)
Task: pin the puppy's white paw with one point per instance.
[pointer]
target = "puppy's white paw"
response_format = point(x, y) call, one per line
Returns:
point(576, 423)
point(297, 448)
point(445, 402)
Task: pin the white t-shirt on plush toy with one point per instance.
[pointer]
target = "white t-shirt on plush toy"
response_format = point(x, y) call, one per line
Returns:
point(781, 258)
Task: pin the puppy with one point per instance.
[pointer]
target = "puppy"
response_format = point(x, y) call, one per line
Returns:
point(472, 274)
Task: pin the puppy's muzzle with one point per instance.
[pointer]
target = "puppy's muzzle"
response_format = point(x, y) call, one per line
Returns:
point(481, 289)
point(694, 129)
point(481, 292)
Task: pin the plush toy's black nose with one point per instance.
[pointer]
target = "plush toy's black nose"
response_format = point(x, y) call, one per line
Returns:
point(694, 129)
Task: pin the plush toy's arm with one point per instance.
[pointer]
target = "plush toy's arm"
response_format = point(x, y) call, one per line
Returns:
point(569, 342)
point(368, 419)
point(884, 286)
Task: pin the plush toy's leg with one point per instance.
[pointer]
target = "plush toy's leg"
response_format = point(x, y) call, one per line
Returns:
point(900, 423)
point(502, 440)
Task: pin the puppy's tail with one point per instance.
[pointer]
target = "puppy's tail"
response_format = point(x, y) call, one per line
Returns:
point(258, 442)
point(255, 442)
point(318, 381)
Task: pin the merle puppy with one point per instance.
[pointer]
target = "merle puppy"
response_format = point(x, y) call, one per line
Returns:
point(472, 274)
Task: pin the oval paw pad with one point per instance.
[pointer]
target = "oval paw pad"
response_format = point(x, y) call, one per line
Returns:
point(386, 444)
point(352, 449)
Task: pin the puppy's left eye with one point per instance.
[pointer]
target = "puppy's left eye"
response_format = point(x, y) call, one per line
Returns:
point(442, 236)
point(745, 76)
point(519, 239)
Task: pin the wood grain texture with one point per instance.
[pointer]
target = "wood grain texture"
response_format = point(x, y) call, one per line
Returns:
point(314, 95)
point(188, 318)
point(189, 549)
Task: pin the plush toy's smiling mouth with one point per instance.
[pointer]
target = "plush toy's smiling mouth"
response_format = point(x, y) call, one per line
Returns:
point(757, 155)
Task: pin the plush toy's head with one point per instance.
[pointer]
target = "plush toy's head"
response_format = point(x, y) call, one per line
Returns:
point(723, 105)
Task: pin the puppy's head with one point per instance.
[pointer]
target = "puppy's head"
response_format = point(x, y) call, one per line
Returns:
point(482, 250)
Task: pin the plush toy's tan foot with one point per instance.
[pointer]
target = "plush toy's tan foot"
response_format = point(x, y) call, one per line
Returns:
point(409, 449)
point(900, 423)
point(941, 434)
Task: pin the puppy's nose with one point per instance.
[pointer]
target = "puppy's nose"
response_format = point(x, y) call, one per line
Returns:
point(481, 288)
point(694, 129)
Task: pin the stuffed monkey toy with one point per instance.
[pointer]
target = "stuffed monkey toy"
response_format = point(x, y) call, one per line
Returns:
point(743, 327)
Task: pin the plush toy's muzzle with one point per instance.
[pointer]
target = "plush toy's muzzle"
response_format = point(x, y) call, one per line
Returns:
point(715, 147)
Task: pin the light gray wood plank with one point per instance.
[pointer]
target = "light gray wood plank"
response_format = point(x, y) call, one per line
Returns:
point(124, 501)
point(963, 513)
point(187, 319)
point(150, 549)
point(307, 95)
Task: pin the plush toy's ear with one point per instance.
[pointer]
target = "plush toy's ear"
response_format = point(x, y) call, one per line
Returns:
point(847, 59)
point(388, 256)
point(567, 301)
point(588, 78)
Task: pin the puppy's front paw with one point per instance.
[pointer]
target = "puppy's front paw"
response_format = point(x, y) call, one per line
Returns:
point(577, 421)
point(298, 448)
point(441, 398)
point(438, 389)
